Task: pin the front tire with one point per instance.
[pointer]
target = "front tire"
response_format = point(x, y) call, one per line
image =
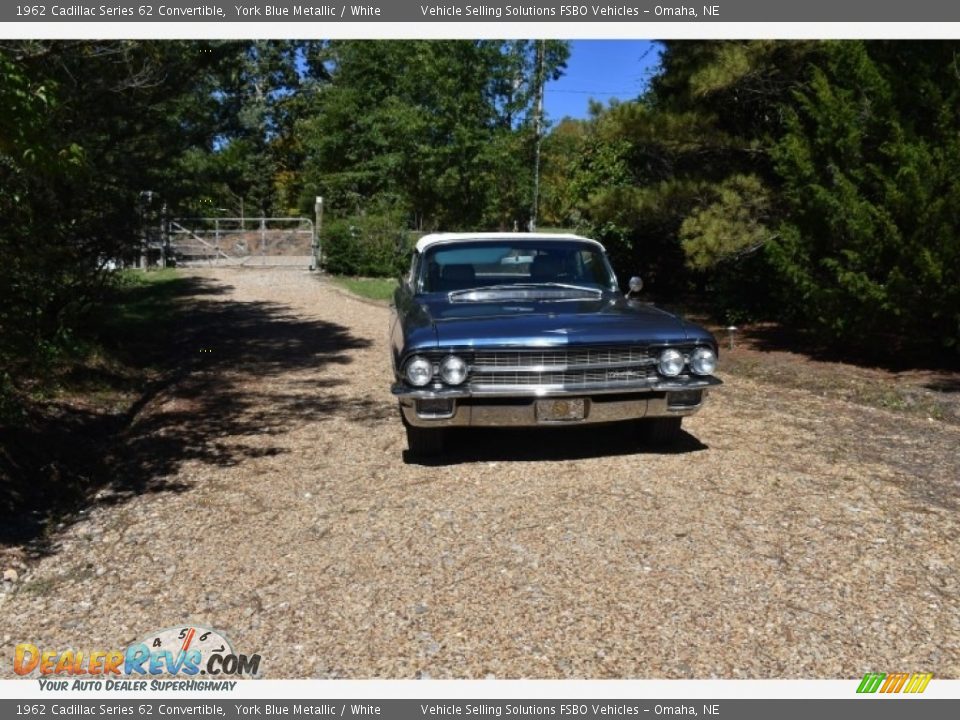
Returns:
point(662, 431)
point(424, 442)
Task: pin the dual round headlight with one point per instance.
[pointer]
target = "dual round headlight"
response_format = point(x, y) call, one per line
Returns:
point(703, 361)
point(419, 370)
point(671, 362)
point(453, 370)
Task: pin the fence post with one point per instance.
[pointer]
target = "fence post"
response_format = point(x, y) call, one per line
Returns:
point(164, 236)
point(263, 241)
point(317, 251)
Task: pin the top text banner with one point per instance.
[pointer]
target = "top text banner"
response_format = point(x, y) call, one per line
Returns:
point(419, 11)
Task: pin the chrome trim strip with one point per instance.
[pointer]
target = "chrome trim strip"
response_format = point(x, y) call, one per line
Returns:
point(524, 414)
point(535, 391)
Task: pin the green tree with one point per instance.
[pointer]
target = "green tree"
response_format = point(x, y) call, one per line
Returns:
point(810, 182)
point(437, 131)
point(696, 144)
point(87, 126)
point(869, 249)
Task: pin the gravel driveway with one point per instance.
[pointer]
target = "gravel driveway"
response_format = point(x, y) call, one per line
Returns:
point(264, 492)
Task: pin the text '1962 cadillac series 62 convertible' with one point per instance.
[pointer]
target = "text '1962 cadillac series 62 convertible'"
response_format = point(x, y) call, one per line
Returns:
point(524, 330)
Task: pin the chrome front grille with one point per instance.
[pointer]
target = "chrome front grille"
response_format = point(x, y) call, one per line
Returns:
point(562, 369)
point(584, 358)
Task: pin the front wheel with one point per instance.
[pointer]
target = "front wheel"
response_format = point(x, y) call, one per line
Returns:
point(424, 442)
point(662, 431)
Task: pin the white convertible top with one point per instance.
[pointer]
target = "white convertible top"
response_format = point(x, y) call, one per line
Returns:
point(434, 238)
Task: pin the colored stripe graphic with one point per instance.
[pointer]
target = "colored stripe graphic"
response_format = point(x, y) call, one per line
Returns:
point(918, 682)
point(894, 682)
point(870, 682)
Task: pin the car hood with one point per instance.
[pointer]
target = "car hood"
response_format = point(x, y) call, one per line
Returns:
point(609, 319)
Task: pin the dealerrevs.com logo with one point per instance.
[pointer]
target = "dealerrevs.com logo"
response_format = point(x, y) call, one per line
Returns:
point(910, 683)
point(186, 651)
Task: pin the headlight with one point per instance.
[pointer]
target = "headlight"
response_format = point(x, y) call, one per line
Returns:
point(453, 370)
point(703, 361)
point(671, 362)
point(419, 371)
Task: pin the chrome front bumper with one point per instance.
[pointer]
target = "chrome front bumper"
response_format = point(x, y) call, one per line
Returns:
point(518, 409)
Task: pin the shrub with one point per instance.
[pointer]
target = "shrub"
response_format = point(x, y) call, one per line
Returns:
point(366, 245)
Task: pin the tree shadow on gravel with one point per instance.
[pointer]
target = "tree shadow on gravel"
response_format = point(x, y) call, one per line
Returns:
point(195, 409)
point(944, 384)
point(885, 353)
point(472, 445)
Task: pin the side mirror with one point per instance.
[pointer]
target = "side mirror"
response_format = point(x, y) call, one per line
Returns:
point(635, 285)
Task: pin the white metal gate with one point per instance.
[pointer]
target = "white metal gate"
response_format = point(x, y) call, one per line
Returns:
point(243, 241)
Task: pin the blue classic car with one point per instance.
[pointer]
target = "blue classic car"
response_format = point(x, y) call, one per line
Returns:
point(518, 329)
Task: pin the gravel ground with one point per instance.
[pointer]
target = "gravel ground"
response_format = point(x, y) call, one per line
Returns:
point(265, 493)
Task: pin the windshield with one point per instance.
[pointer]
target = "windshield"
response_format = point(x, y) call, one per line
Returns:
point(506, 263)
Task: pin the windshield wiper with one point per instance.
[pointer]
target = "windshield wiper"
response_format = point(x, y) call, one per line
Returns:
point(568, 286)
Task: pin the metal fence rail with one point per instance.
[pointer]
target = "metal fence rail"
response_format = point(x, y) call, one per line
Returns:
point(243, 241)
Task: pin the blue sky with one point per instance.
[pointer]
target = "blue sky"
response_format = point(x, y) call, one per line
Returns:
point(603, 70)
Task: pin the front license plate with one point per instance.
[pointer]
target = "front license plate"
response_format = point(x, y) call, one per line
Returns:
point(565, 410)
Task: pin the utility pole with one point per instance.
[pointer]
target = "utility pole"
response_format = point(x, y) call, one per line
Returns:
point(537, 131)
